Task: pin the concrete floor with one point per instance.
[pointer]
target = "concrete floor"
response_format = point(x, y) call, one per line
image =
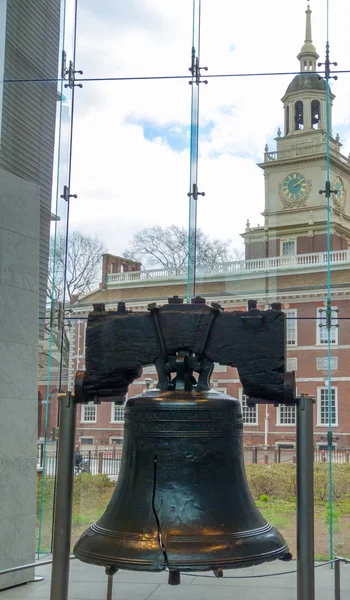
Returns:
point(90, 583)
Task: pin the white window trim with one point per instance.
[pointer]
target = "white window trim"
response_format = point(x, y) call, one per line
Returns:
point(288, 239)
point(318, 411)
point(318, 328)
point(87, 437)
point(325, 368)
point(256, 424)
point(113, 420)
point(288, 312)
point(82, 420)
point(324, 443)
point(288, 365)
point(84, 336)
point(284, 443)
point(113, 437)
point(278, 419)
point(219, 368)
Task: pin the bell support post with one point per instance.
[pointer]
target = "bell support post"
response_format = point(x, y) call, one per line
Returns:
point(64, 499)
point(305, 490)
point(305, 499)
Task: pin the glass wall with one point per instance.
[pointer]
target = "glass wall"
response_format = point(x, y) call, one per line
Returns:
point(184, 149)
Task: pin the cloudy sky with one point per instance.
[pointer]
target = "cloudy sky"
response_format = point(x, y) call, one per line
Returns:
point(131, 138)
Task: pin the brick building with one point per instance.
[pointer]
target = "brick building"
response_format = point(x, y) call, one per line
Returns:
point(286, 261)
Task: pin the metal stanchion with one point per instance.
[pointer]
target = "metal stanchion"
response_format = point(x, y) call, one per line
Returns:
point(64, 499)
point(337, 580)
point(305, 500)
point(110, 571)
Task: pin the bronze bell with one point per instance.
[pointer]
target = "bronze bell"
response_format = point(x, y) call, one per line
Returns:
point(182, 500)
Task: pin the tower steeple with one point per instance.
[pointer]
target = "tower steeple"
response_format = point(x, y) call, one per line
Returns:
point(308, 55)
point(305, 97)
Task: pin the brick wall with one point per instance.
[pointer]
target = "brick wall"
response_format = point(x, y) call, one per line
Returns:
point(305, 245)
point(117, 264)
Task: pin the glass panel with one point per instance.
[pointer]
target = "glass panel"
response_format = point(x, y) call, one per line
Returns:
point(140, 147)
point(54, 342)
point(131, 171)
point(262, 164)
point(31, 158)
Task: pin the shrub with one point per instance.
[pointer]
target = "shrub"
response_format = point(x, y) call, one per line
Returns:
point(341, 481)
point(262, 480)
point(321, 481)
point(264, 498)
point(280, 480)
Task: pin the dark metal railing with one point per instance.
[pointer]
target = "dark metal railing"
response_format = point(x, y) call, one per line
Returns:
point(108, 461)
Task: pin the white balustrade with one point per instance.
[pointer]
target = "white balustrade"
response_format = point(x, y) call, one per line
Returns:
point(241, 267)
point(302, 151)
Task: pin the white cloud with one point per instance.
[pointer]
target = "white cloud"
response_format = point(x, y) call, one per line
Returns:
point(125, 181)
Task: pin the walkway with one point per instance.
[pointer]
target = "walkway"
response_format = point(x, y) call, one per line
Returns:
point(90, 583)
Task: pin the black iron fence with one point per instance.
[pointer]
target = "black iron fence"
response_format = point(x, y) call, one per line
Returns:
point(108, 461)
point(92, 461)
point(259, 455)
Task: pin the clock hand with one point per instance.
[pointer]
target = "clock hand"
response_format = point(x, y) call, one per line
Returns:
point(298, 183)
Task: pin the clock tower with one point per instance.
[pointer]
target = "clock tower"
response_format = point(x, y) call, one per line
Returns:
point(295, 214)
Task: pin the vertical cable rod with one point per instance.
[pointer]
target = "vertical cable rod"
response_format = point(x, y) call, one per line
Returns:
point(52, 306)
point(69, 179)
point(329, 298)
point(193, 189)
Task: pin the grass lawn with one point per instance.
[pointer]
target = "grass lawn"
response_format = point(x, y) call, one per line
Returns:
point(92, 493)
point(282, 514)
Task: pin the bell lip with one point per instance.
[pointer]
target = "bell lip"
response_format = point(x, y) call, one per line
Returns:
point(155, 560)
point(134, 564)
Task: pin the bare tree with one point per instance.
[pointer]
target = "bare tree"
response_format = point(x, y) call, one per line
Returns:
point(83, 269)
point(167, 247)
point(83, 264)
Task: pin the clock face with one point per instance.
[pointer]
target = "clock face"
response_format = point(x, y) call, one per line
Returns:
point(294, 187)
point(338, 187)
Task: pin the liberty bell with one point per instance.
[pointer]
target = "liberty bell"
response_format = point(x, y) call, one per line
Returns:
point(182, 501)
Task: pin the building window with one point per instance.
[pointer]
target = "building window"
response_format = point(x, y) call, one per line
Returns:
point(219, 368)
point(285, 445)
point(299, 115)
point(116, 440)
point(291, 327)
point(118, 413)
point(315, 114)
point(292, 364)
point(285, 415)
point(322, 328)
point(84, 325)
point(87, 440)
point(249, 413)
point(286, 123)
point(322, 363)
point(323, 446)
point(89, 413)
point(288, 248)
point(322, 406)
